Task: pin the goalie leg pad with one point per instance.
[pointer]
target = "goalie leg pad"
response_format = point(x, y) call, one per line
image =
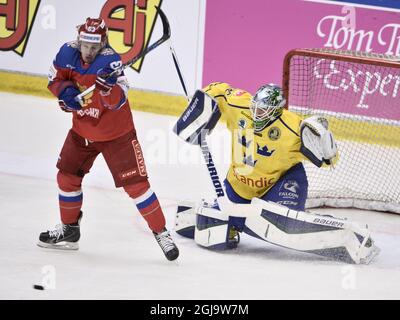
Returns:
point(185, 219)
point(327, 236)
point(214, 230)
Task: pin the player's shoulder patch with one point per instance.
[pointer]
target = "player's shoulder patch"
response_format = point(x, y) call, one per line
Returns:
point(239, 92)
point(238, 98)
point(107, 51)
point(108, 56)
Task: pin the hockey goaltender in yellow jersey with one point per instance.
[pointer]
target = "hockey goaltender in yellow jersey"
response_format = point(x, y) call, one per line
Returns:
point(266, 183)
point(258, 159)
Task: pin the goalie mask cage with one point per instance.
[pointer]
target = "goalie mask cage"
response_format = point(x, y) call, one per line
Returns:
point(359, 94)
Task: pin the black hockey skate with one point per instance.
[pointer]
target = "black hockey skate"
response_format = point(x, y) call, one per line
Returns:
point(64, 236)
point(167, 244)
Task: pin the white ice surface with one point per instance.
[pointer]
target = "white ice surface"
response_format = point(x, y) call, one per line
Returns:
point(118, 256)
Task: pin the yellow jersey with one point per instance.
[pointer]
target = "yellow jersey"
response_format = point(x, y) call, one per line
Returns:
point(259, 159)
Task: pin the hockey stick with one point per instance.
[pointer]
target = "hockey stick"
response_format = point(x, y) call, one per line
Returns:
point(212, 170)
point(166, 35)
point(178, 70)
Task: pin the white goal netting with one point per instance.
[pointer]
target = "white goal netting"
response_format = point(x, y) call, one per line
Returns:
point(359, 94)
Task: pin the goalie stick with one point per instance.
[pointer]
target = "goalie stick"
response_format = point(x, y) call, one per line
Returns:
point(212, 170)
point(178, 70)
point(166, 35)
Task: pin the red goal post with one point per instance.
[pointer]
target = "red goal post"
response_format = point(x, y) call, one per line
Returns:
point(359, 94)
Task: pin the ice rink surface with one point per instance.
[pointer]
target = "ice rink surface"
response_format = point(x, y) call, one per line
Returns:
point(118, 256)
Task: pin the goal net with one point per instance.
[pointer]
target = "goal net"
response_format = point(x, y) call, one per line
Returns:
point(359, 95)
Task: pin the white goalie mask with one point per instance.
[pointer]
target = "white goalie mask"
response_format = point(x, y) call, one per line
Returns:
point(266, 106)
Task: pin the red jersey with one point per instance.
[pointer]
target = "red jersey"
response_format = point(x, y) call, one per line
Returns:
point(94, 121)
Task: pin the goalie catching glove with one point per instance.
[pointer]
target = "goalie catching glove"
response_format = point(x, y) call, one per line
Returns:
point(317, 142)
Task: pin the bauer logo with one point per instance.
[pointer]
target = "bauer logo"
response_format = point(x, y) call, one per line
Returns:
point(329, 222)
point(190, 110)
point(17, 18)
point(130, 26)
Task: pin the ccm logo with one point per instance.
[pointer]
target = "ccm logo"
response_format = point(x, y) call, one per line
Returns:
point(128, 174)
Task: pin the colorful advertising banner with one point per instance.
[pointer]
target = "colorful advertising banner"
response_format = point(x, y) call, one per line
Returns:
point(246, 41)
point(395, 4)
point(352, 87)
point(13, 35)
point(32, 32)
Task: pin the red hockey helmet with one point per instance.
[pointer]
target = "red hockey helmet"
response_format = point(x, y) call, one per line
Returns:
point(93, 31)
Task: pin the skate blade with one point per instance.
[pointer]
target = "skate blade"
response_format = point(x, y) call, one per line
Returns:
point(59, 246)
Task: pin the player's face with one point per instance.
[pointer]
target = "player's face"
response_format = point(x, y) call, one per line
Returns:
point(263, 114)
point(261, 111)
point(89, 51)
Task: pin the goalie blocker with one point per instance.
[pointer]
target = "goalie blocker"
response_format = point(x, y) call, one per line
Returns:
point(199, 118)
point(303, 231)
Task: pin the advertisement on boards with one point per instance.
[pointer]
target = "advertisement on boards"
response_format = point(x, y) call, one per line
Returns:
point(246, 42)
point(32, 31)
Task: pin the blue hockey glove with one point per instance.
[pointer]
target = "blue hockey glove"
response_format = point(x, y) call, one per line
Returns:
point(105, 82)
point(67, 101)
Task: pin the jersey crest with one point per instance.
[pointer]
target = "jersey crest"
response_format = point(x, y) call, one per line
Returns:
point(274, 133)
point(263, 151)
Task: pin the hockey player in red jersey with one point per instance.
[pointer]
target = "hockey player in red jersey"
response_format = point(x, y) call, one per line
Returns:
point(102, 123)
